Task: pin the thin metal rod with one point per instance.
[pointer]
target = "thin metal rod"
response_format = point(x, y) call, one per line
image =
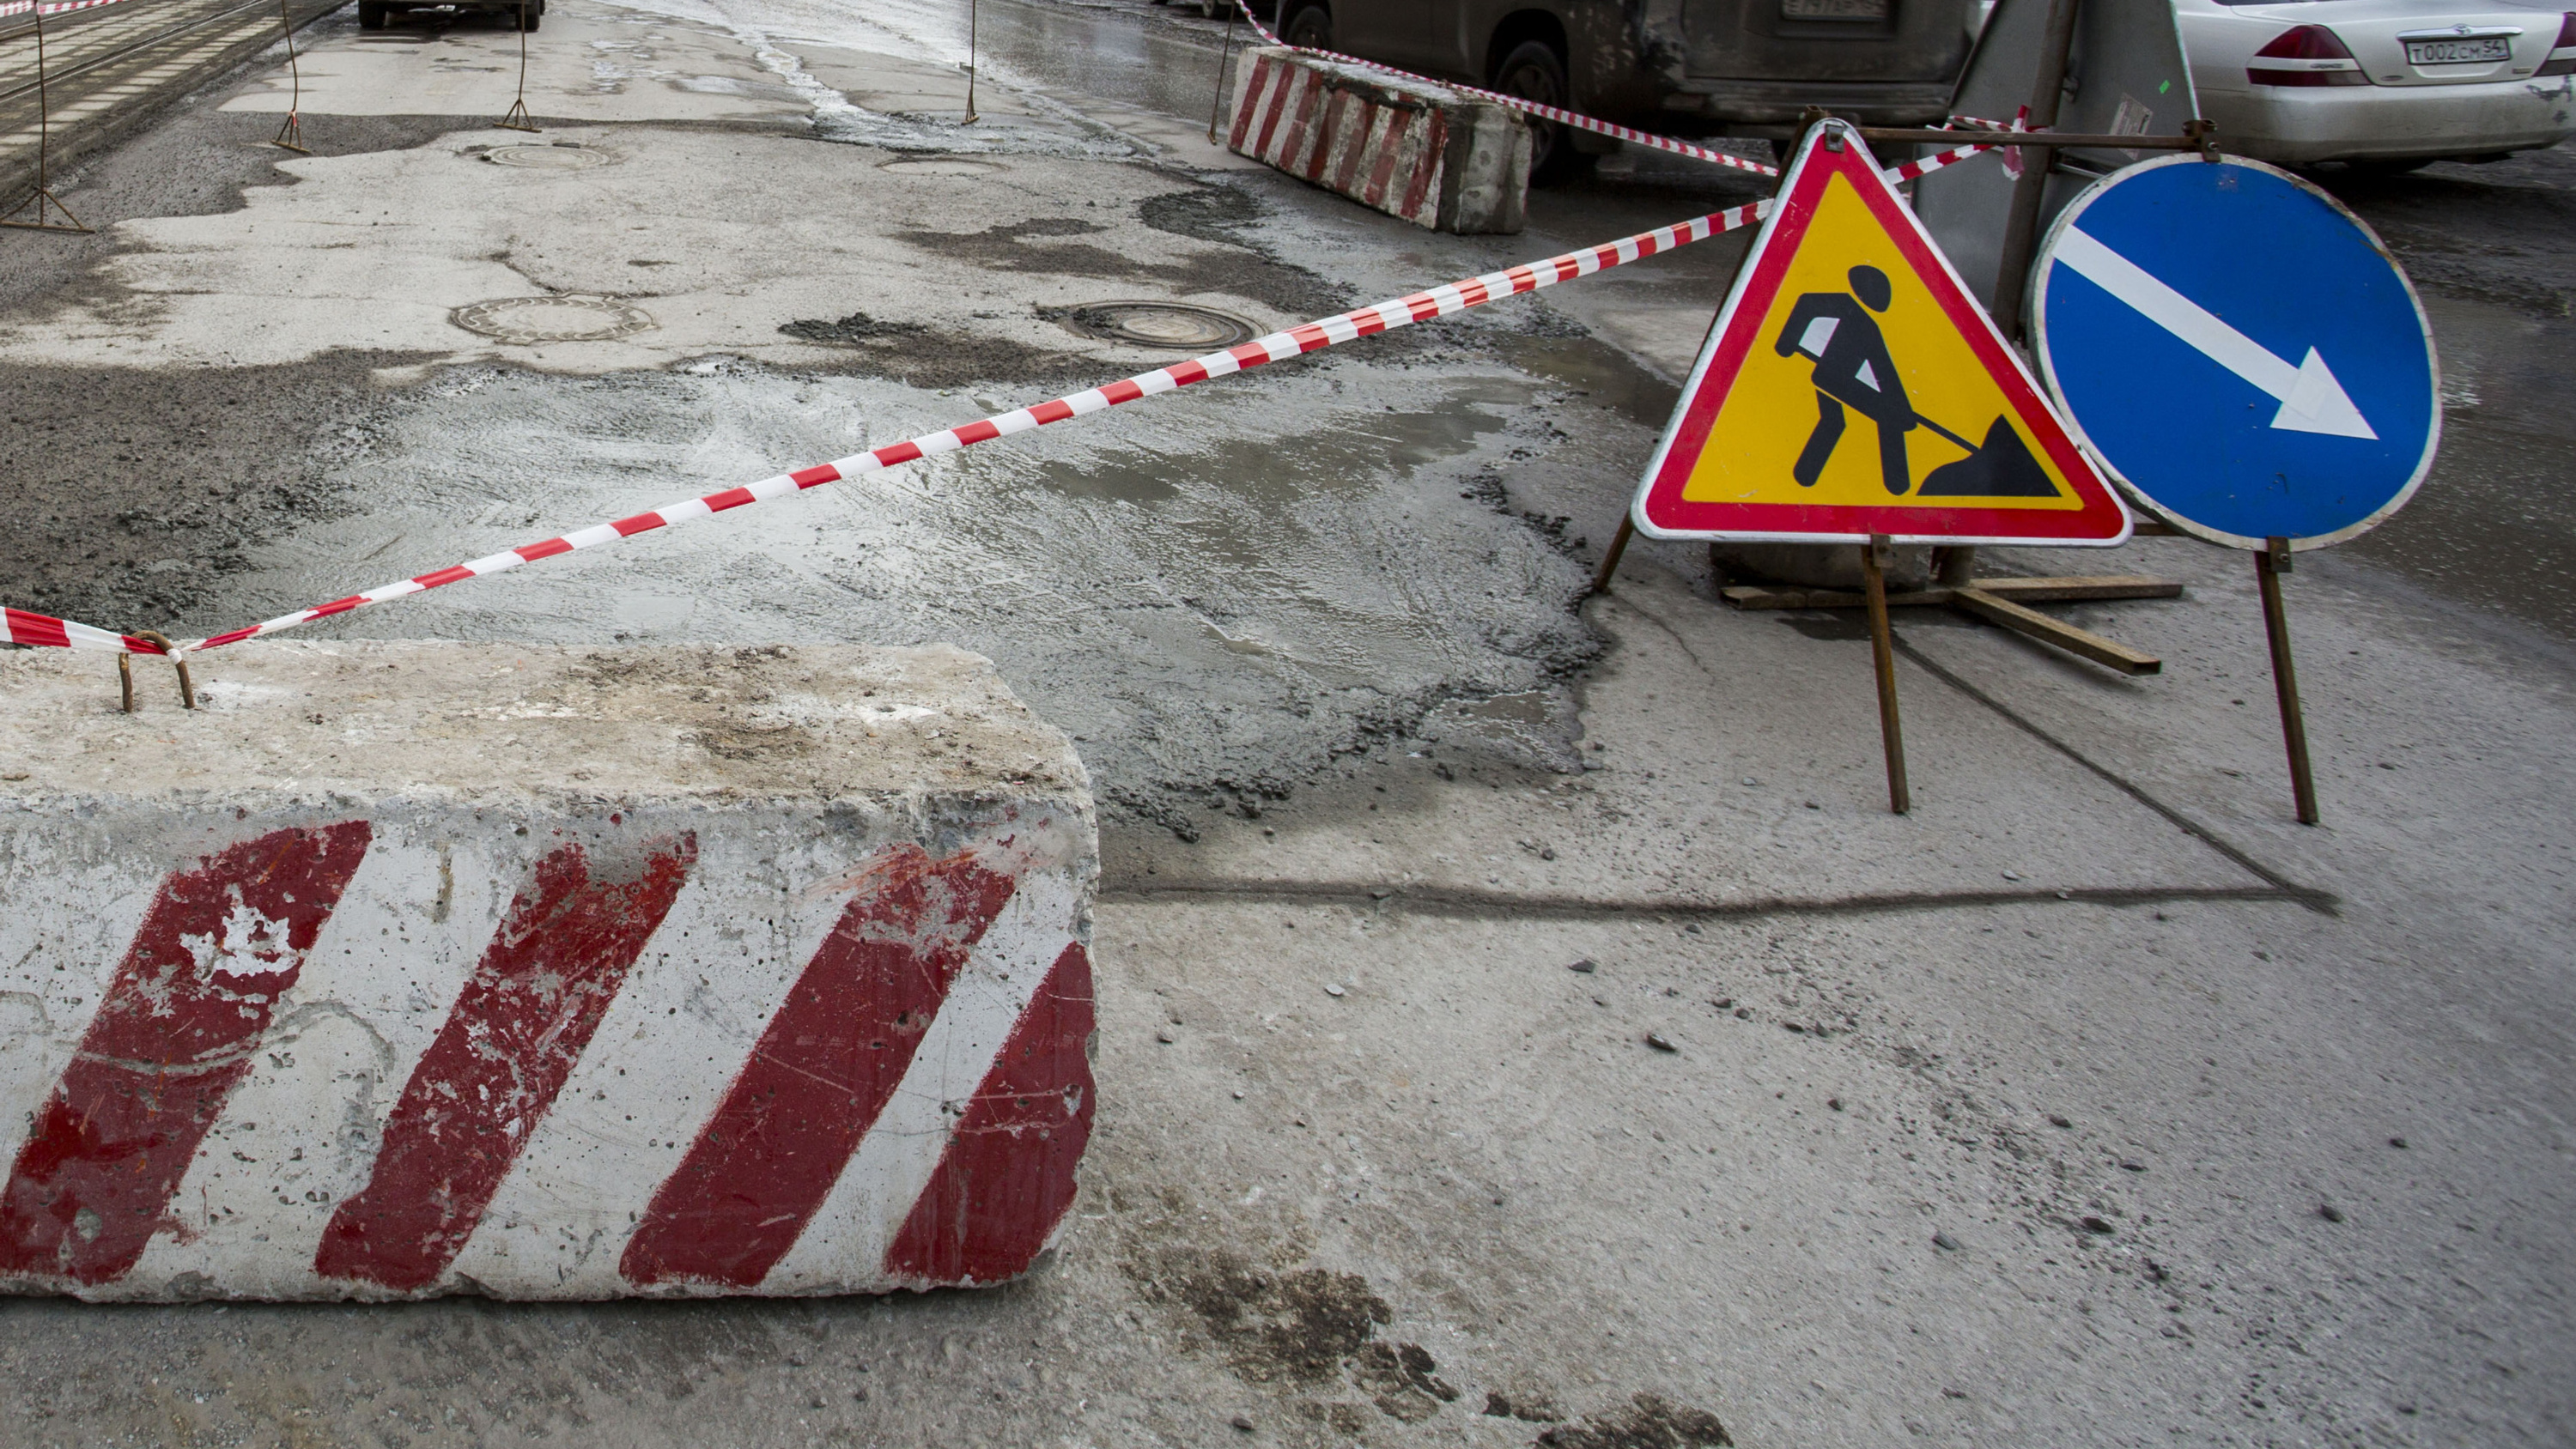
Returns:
point(291, 135)
point(971, 19)
point(1882, 650)
point(1224, 59)
point(518, 118)
point(2269, 564)
point(2030, 193)
point(1610, 560)
point(44, 118)
point(125, 679)
point(2054, 139)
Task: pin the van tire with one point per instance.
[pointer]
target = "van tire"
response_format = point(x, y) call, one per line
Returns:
point(1533, 70)
point(531, 15)
point(1311, 26)
point(371, 15)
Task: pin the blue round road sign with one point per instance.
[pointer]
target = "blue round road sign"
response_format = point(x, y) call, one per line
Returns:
point(2239, 350)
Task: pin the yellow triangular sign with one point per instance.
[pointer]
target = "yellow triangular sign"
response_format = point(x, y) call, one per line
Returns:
point(1852, 387)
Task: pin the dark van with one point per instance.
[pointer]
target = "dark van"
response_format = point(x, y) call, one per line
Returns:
point(1694, 67)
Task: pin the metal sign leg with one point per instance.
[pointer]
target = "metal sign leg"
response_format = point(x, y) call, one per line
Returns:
point(1882, 649)
point(2272, 562)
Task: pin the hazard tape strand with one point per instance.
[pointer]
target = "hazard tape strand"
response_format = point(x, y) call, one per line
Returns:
point(41, 630)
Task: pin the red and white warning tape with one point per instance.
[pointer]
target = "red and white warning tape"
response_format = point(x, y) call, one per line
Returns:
point(1558, 114)
point(39, 629)
point(44, 631)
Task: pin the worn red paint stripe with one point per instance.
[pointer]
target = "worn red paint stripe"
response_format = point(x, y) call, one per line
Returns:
point(1251, 102)
point(1293, 145)
point(1286, 85)
point(1361, 131)
point(824, 1068)
point(1330, 126)
point(503, 1053)
point(1390, 149)
point(173, 1037)
point(1427, 169)
point(1008, 1174)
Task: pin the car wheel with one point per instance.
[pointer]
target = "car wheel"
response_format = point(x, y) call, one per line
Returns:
point(371, 15)
point(531, 16)
point(1311, 27)
point(1534, 71)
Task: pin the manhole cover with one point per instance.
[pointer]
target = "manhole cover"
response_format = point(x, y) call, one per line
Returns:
point(547, 158)
point(522, 320)
point(1160, 324)
point(939, 166)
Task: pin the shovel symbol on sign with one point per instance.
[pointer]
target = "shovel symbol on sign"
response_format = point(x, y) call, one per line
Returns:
point(1854, 371)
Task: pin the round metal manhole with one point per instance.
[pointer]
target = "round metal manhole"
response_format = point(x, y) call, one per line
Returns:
point(523, 320)
point(558, 157)
point(1176, 325)
point(939, 166)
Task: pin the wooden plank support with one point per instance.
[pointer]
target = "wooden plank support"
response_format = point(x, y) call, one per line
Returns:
point(2079, 642)
point(2034, 590)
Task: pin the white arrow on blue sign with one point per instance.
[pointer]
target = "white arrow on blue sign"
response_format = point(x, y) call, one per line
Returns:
point(2239, 350)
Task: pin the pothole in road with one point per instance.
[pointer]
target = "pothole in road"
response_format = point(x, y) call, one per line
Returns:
point(940, 166)
point(1176, 325)
point(561, 156)
point(524, 320)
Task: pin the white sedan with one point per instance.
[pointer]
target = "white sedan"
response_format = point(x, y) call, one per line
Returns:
point(2394, 83)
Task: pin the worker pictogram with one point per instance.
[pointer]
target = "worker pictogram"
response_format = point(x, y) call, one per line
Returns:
point(1851, 388)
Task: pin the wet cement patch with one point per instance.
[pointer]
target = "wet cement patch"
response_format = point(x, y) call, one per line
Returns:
point(133, 495)
point(1218, 594)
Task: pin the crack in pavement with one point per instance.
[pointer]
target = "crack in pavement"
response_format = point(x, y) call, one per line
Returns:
point(1131, 890)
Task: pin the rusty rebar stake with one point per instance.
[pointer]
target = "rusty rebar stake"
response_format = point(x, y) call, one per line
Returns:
point(1882, 651)
point(1610, 558)
point(971, 16)
point(1224, 60)
point(518, 119)
point(170, 651)
point(44, 135)
point(291, 135)
point(2270, 562)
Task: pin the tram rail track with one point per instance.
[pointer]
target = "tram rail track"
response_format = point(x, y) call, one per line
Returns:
point(111, 70)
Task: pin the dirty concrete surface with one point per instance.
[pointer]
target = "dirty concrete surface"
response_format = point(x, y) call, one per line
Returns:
point(2094, 1103)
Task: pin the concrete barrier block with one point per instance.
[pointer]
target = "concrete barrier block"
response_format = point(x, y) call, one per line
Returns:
point(1437, 157)
point(409, 969)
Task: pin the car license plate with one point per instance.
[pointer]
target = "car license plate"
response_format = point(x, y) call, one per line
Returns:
point(2458, 52)
point(1833, 9)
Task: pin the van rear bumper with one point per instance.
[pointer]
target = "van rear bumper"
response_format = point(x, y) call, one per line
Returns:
point(1871, 103)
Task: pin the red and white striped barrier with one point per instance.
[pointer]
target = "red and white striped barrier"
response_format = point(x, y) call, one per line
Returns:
point(316, 1027)
point(1417, 152)
point(1558, 114)
point(39, 629)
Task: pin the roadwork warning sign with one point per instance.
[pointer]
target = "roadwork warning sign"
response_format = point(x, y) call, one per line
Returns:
point(1852, 387)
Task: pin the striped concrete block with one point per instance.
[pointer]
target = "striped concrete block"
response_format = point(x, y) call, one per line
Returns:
point(1434, 156)
point(409, 969)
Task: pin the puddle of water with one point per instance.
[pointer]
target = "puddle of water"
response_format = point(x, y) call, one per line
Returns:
point(1594, 369)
